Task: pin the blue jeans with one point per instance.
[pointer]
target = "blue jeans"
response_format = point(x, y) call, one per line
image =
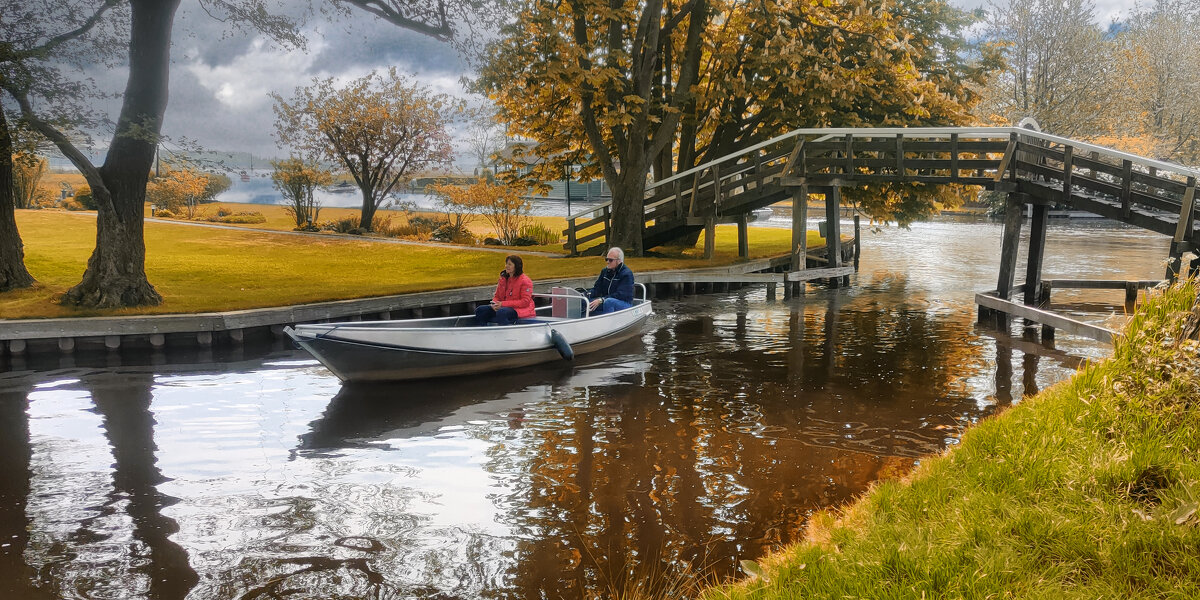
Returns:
point(486, 314)
point(611, 305)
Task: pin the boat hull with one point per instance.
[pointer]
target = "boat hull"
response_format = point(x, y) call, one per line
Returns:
point(406, 350)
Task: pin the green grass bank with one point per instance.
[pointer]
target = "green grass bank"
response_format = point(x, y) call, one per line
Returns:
point(203, 269)
point(1088, 490)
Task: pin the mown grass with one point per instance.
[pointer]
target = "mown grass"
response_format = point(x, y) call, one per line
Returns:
point(1088, 490)
point(201, 269)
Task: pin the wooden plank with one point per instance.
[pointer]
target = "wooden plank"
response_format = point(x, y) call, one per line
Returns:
point(1184, 227)
point(1068, 166)
point(572, 244)
point(789, 167)
point(599, 233)
point(1009, 151)
point(954, 157)
point(681, 277)
point(1126, 187)
point(910, 164)
point(1045, 317)
point(1100, 284)
point(810, 274)
point(849, 150)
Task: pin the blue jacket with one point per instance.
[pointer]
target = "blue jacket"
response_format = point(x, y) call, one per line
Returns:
point(611, 284)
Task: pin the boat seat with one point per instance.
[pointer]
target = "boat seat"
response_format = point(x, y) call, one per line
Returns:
point(541, 319)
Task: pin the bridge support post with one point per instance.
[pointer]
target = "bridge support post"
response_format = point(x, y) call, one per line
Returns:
point(1009, 246)
point(710, 236)
point(1037, 251)
point(799, 235)
point(743, 237)
point(833, 230)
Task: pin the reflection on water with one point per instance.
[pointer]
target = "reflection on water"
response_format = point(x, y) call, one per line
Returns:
point(712, 438)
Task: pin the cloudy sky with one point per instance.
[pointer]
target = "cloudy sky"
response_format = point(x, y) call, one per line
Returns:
point(220, 79)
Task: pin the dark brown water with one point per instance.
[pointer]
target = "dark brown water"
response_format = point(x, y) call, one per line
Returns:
point(255, 474)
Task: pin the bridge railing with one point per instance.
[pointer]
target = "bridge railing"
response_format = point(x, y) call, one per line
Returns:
point(838, 156)
point(1134, 191)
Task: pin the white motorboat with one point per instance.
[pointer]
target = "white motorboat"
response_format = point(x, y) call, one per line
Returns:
point(446, 346)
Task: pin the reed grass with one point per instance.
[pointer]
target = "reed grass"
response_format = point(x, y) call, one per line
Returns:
point(1088, 490)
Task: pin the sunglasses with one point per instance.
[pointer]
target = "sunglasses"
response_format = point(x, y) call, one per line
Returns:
point(610, 260)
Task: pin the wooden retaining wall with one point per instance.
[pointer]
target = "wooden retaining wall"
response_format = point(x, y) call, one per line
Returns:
point(21, 337)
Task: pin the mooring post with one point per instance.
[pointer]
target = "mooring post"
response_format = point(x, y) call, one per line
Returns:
point(1131, 294)
point(1044, 302)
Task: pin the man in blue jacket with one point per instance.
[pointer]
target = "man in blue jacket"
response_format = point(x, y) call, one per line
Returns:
point(614, 287)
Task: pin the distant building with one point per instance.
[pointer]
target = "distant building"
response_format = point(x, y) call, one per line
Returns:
point(520, 153)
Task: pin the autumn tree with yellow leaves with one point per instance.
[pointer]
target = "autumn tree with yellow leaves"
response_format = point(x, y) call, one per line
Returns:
point(380, 128)
point(627, 88)
point(297, 179)
point(177, 189)
point(500, 205)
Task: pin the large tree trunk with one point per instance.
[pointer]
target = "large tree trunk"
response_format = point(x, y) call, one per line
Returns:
point(116, 272)
point(367, 217)
point(13, 273)
point(628, 209)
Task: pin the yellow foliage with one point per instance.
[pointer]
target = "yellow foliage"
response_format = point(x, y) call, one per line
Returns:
point(177, 189)
point(500, 205)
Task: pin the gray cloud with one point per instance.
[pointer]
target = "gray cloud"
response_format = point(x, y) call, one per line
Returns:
point(220, 79)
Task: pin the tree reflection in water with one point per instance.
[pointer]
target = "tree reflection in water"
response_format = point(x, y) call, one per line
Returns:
point(17, 578)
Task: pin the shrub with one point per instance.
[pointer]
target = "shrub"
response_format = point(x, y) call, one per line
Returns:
point(455, 235)
point(343, 225)
point(414, 228)
point(83, 197)
point(72, 205)
point(165, 213)
point(228, 216)
point(539, 234)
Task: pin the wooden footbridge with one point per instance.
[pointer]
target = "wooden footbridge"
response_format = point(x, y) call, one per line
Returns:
point(1035, 169)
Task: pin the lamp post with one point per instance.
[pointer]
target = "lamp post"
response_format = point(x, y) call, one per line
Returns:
point(568, 188)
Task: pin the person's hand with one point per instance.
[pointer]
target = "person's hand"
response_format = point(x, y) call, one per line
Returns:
point(595, 304)
point(495, 305)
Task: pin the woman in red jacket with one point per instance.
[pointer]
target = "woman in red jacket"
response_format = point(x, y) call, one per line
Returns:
point(513, 298)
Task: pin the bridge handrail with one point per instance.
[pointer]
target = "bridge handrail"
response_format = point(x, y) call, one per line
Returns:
point(827, 133)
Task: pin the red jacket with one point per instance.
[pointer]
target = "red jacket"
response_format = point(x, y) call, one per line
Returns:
point(517, 294)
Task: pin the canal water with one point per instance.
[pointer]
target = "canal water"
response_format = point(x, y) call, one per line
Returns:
point(253, 473)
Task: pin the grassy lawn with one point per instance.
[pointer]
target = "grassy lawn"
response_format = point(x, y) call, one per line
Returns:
point(201, 269)
point(1090, 489)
